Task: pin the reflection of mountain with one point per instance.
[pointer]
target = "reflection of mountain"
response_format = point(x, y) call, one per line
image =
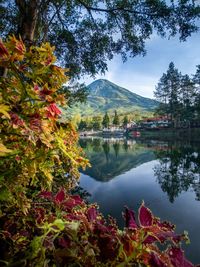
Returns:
point(109, 159)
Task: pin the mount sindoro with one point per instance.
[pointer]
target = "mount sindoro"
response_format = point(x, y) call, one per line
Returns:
point(104, 95)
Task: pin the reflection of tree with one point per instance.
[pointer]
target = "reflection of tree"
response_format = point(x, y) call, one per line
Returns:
point(97, 145)
point(106, 149)
point(178, 170)
point(83, 143)
point(116, 147)
point(125, 146)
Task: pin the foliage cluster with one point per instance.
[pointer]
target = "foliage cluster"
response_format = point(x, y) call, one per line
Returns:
point(62, 230)
point(35, 147)
point(88, 33)
point(179, 96)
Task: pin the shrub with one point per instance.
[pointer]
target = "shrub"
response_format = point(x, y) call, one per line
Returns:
point(34, 148)
point(61, 230)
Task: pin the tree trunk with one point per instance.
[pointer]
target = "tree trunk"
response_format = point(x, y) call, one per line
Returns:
point(28, 11)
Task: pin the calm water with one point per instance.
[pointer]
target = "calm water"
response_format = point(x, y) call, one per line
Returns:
point(165, 175)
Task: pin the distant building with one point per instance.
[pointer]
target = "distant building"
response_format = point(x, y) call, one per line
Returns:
point(156, 122)
point(130, 125)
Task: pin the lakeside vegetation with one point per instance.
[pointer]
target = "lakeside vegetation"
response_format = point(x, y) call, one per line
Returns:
point(179, 97)
point(41, 222)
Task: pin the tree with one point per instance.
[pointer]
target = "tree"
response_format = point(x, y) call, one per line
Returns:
point(125, 121)
point(196, 80)
point(96, 123)
point(82, 125)
point(106, 120)
point(168, 91)
point(187, 98)
point(107, 27)
point(116, 119)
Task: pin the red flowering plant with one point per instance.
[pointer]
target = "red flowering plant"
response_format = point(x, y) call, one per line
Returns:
point(33, 146)
point(61, 230)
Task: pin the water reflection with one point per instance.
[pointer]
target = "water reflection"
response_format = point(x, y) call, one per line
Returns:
point(112, 157)
point(165, 175)
point(178, 170)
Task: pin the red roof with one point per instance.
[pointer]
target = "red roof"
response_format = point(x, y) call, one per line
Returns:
point(161, 118)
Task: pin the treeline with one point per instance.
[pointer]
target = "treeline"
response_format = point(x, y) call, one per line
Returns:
point(98, 122)
point(179, 97)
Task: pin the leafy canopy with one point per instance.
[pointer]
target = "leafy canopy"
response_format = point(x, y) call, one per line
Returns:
point(88, 33)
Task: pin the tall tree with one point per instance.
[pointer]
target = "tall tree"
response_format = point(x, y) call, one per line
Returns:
point(168, 90)
point(96, 122)
point(87, 33)
point(196, 80)
point(125, 121)
point(187, 98)
point(106, 120)
point(116, 119)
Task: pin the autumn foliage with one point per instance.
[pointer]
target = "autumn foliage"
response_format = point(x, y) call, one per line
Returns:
point(35, 149)
point(40, 226)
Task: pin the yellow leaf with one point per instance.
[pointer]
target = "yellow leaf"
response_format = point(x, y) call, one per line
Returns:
point(3, 150)
point(4, 110)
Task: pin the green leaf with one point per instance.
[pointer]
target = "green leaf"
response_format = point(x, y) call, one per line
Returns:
point(60, 224)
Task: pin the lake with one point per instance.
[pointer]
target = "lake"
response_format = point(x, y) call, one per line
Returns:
point(166, 175)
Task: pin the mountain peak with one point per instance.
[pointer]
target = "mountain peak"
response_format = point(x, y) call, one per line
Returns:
point(99, 81)
point(105, 96)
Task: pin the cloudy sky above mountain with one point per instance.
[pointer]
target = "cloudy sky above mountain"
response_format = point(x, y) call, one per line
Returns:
point(141, 74)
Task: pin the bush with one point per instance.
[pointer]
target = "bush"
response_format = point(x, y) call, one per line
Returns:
point(34, 148)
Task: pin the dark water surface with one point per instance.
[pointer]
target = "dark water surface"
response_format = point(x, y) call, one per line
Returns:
point(166, 175)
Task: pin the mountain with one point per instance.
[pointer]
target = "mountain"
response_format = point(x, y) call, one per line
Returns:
point(104, 95)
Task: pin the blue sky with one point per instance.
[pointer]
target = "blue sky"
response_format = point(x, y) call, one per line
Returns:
point(141, 74)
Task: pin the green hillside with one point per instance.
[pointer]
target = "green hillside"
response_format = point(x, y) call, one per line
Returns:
point(106, 96)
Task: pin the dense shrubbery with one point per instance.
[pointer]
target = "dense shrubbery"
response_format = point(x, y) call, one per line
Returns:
point(61, 229)
point(35, 148)
point(41, 228)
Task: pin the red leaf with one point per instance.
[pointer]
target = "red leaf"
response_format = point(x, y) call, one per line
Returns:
point(77, 199)
point(53, 111)
point(145, 216)
point(60, 196)
point(130, 218)
point(45, 195)
point(155, 261)
point(63, 242)
point(150, 239)
point(3, 50)
point(91, 214)
point(177, 258)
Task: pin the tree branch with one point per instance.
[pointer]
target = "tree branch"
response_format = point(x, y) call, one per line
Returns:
point(113, 10)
